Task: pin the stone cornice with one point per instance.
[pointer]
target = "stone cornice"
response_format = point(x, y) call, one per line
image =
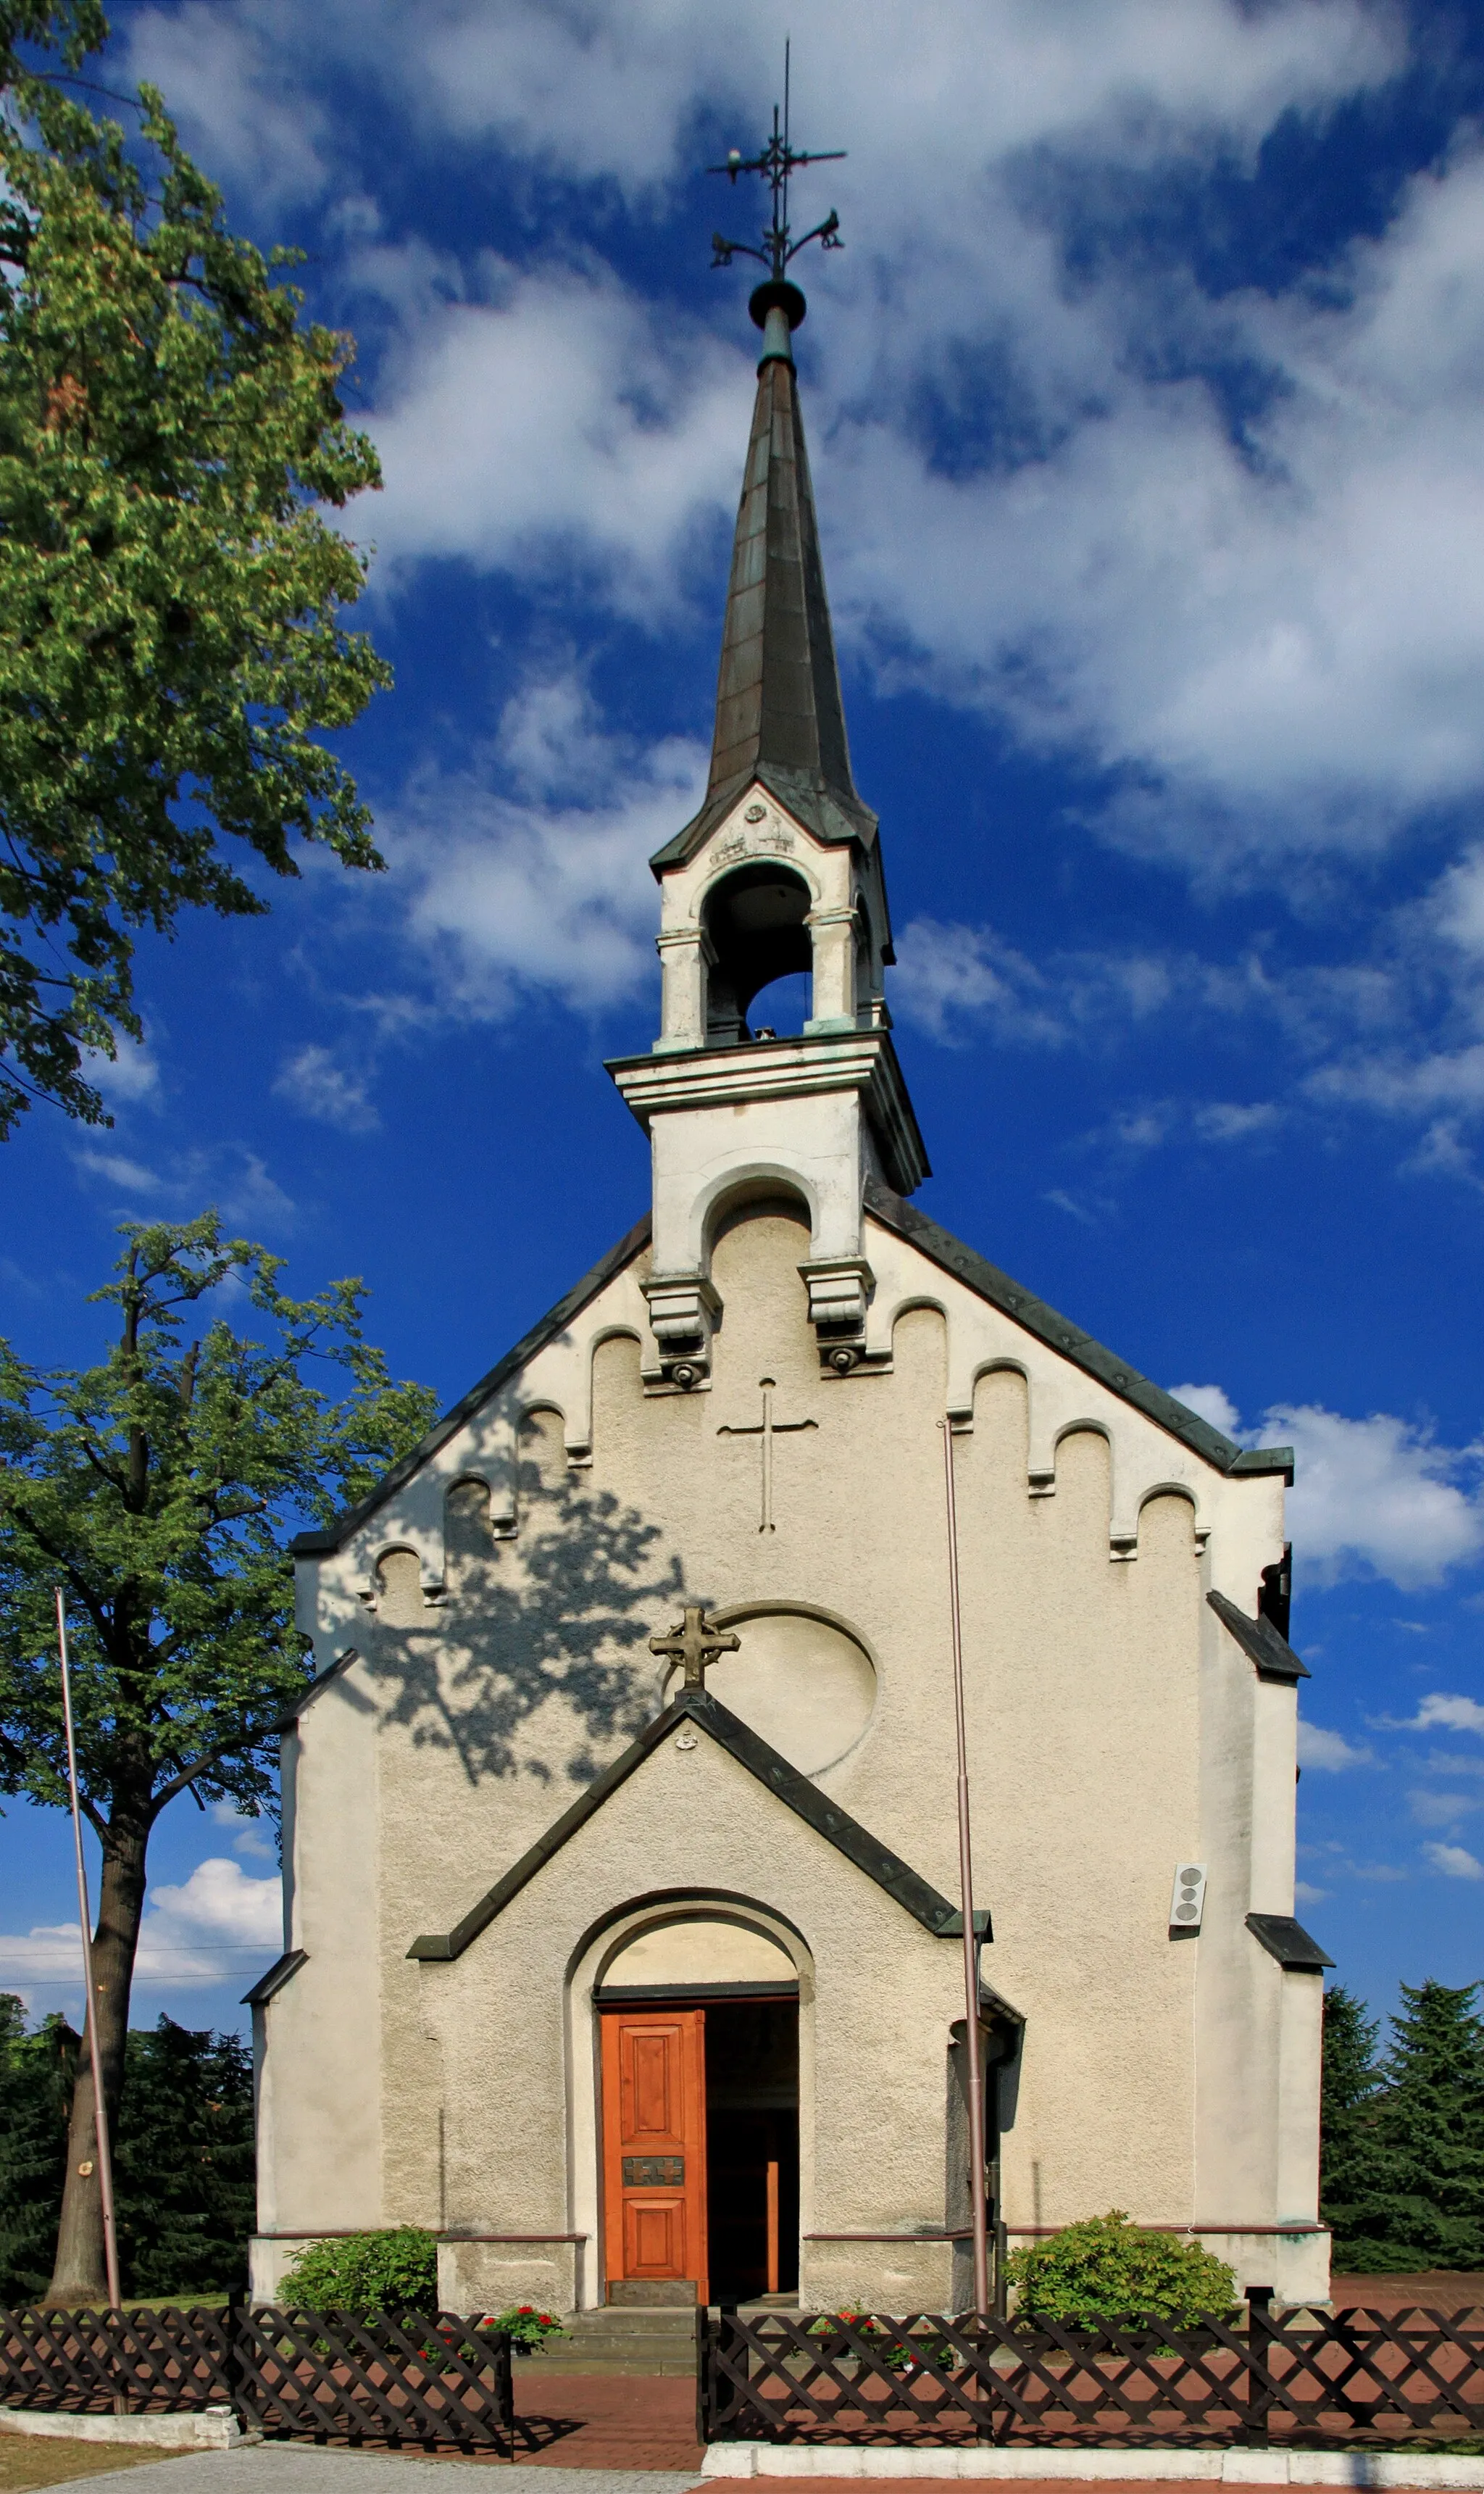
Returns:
point(862, 1061)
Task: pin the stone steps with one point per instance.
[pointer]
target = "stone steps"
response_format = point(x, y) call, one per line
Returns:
point(622, 2338)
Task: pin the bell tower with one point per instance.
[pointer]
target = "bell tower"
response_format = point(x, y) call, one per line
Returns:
point(779, 872)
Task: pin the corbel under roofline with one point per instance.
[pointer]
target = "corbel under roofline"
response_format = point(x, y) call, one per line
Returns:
point(879, 1862)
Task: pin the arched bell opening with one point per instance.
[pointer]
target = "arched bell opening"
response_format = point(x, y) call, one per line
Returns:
point(755, 929)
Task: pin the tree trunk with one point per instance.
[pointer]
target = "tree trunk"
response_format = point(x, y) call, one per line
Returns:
point(80, 2274)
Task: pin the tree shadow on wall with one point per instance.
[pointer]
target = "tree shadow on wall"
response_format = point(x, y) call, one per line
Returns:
point(564, 1610)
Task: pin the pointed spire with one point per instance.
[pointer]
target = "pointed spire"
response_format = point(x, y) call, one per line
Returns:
point(780, 716)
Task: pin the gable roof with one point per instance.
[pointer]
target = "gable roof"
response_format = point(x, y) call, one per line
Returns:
point(939, 1247)
point(1061, 1334)
point(697, 1706)
point(1260, 1641)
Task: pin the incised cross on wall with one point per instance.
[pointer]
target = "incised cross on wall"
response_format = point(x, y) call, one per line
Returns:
point(768, 1428)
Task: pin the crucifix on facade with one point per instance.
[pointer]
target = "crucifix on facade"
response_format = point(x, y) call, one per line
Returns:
point(696, 1642)
point(768, 1428)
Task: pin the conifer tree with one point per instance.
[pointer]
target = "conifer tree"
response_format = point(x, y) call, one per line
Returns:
point(1404, 2158)
point(36, 2090)
point(1348, 2119)
point(183, 2157)
point(184, 2167)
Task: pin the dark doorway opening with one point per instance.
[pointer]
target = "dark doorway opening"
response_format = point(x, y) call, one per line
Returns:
point(753, 2148)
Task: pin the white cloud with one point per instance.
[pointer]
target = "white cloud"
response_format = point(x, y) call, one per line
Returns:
point(945, 973)
point(249, 125)
point(555, 421)
point(249, 1839)
point(1213, 1405)
point(129, 1080)
point(1454, 1862)
point(1329, 1750)
point(1453, 1714)
point(547, 885)
point(1306, 1893)
point(117, 1171)
point(202, 1932)
point(1275, 625)
point(1442, 1808)
point(234, 1178)
point(1375, 1496)
point(312, 1081)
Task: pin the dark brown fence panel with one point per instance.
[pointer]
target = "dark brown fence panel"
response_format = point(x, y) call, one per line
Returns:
point(407, 2378)
point(1347, 2377)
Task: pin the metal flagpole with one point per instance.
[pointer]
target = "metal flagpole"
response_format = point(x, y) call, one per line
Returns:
point(100, 2108)
point(976, 2080)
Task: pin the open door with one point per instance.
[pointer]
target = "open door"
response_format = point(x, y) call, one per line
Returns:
point(654, 2064)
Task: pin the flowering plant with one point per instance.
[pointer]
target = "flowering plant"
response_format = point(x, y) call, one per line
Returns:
point(529, 2328)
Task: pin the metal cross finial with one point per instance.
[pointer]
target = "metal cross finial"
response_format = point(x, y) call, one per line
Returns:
point(776, 161)
point(696, 1642)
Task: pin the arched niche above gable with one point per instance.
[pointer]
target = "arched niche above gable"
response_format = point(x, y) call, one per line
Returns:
point(801, 1682)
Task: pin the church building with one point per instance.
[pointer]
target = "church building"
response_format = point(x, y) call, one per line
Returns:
point(622, 1935)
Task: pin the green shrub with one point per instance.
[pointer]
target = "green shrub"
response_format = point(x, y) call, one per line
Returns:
point(1106, 2270)
point(393, 2272)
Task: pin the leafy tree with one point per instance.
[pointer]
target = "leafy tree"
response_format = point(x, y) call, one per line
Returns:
point(170, 593)
point(1105, 2268)
point(159, 1489)
point(36, 2087)
point(392, 2271)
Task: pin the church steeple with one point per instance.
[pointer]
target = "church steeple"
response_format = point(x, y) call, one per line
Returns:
point(780, 716)
point(778, 873)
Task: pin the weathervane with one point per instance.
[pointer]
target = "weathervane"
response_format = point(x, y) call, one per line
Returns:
point(775, 162)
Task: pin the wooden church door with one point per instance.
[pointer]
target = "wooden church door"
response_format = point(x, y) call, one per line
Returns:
point(654, 2063)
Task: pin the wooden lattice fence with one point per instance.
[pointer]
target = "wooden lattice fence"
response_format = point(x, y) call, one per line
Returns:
point(1352, 2376)
point(398, 2378)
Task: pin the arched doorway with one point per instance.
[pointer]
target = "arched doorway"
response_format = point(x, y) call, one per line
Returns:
point(698, 2030)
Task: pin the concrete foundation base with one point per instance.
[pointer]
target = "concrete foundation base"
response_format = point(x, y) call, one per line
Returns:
point(1140, 2467)
point(194, 2429)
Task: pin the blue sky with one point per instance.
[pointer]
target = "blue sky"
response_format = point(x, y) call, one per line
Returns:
point(1146, 411)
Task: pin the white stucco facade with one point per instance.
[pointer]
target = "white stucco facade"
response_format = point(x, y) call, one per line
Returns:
point(481, 1635)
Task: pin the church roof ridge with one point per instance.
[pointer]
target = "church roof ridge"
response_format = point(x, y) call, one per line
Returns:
point(780, 718)
point(1072, 1340)
point(914, 1894)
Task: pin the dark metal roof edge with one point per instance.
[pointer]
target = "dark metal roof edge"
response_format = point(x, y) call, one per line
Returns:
point(1055, 1330)
point(848, 1836)
point(1267, 1459)
point(330, 1536)
point(806, 797)
point(1289, 1942)
point(287, 1722)
point(280, 1972)
point(1264, 1644)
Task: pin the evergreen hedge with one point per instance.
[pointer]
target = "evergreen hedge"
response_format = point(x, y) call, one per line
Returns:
point(183, 2158)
